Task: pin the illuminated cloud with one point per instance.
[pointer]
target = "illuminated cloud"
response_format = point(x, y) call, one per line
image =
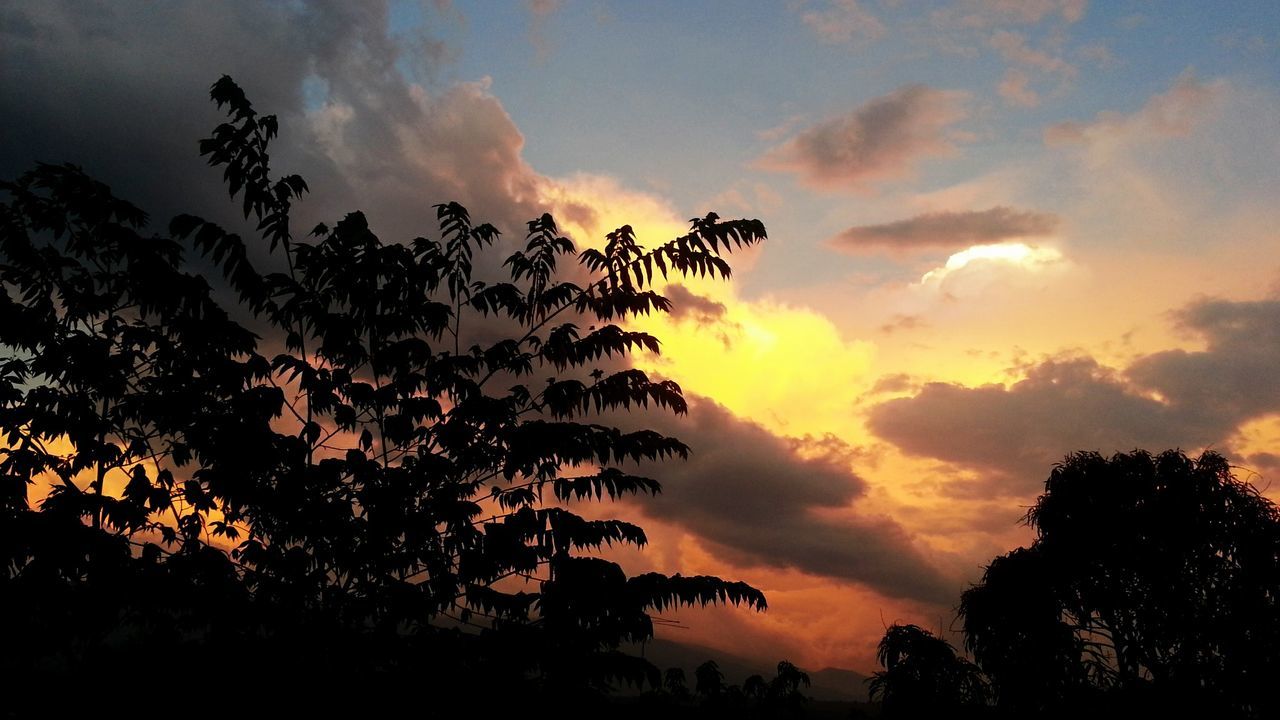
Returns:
point(1017, 255)
point(948, 229)
point(844, 21)
point(881, 140)
point(763, 361)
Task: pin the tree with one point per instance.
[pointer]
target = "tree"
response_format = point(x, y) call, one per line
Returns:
point(1153, 580)
point(709, 680)
point(923, 676)
point(384, 496)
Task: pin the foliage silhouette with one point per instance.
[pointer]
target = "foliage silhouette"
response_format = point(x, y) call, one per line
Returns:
point(1152, 583)
point(367, 501)
point(780, 696)
point(923, 677)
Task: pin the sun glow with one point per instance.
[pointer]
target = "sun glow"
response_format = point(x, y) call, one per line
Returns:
point(1015, 253)
point(772, 363)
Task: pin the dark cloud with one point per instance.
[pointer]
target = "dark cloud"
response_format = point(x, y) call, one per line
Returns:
point(1266, 465)
point(687, 304)
point(1013, 435)
point(880, 140)
point(949, 230)
point(748, 492)
point(1234, 378)
point(122, 89)
point(1171, 399)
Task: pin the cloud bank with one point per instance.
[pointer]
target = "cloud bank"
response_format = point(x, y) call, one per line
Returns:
point(1172, 399)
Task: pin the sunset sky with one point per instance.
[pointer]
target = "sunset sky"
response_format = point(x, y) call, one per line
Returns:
point(999, 231)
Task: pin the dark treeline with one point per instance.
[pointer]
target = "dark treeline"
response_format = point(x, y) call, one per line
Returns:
point(1152, 588)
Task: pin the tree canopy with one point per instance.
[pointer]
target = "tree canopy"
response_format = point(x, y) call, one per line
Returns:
point(923, 676)
point(1152, 583)
point(359, 465)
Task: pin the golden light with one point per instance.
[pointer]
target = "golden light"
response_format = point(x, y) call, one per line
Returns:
point(1013, 253)
point(787, 368)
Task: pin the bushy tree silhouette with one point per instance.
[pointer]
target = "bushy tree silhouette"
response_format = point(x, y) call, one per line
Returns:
point(1153, 582)
point(923, 677)
point(353, 502)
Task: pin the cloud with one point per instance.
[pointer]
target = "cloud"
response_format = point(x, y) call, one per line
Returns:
point(765, 500)
point(1099, 55)
point(686, 304)
point(539, 12)
point(953, 230)
point(1234, 378)
point(902, 322)
point(1174, 113)
point(1015, 89)
point(986, 13)
point(80, 82)
point(881, 140)
point(896, 382)
point(843, 22)
point(1013, 435)
point(1013, 47)
point(1168, 399)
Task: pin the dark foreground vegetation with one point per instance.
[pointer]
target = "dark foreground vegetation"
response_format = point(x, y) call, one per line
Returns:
point(1152, 588)
point(339, 484)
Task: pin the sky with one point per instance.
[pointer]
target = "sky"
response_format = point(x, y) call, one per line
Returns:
point(999, 232)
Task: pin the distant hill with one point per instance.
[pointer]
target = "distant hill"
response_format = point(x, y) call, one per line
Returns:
point(830, 684)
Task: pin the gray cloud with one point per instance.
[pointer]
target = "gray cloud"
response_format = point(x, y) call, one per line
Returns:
point(950, 230)
point(1175, 398)
point(748, 492)
point(122, 89)
point(687, 304)
point(1013, 435)
point(880, 140)
point(1234, 378)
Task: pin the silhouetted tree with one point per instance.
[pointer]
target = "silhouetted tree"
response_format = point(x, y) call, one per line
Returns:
point(349, 504)
point(1153, 581)
point(923, 676)
point(674, 682)
point(708, 680)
